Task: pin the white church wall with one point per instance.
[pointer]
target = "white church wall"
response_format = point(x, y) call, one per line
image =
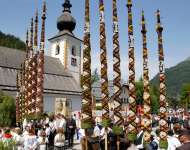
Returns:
point(49, 102)
point(69, 61)
point(61, 54)
point(74, 69)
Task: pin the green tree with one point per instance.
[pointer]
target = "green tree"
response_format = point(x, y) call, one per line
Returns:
point(185, 96)
point(95, 76)
point(11, 41)
point(173, 102)
point(139, 91)
point(7, 109)
point(154, 95)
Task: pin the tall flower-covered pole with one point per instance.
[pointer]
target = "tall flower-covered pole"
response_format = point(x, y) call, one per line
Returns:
point(104, 67)
point(22, 88)
point(86, 74)
point(27, 44)
point(146, 122)
point(40, 68)
point(30, 60)
point(18, 113)
point(23, 110)
point(132, 95)
point(33, 69)
point(34, 82)
point(116, 69)
point(26, 76)
point(36, 32)
point(34, 66)
point(163, 106)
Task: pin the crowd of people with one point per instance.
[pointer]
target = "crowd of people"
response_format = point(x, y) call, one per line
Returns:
point(55, 132)
point(178, 139)
point(58, 132)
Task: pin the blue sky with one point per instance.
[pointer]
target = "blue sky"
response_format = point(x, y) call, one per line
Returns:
point(15, 16)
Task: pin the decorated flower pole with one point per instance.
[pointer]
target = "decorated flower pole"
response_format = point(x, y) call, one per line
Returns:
point(20, 95)
point(118, 119)
point(132, 125)
point(104, 67)
point(22, 88)
point(29, 95)
point(116, 68)
point(163, 107)
point(34, 83)
point(26, 77)
point(86, 111)
point(33, 71)
point(146, 120)
point(34, 64)
point(103, 59)
point(40, 67)
point(18, 113)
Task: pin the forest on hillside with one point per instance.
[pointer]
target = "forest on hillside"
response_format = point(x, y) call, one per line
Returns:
point(176, 78)
point(11, 41)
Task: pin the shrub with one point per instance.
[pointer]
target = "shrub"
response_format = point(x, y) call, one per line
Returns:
point(7, 109)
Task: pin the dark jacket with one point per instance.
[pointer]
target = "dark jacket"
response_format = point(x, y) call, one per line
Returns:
point(185, 146)
point(139, 139)
point(71, 126)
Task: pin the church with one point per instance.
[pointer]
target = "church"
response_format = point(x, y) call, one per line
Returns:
point(62, 69)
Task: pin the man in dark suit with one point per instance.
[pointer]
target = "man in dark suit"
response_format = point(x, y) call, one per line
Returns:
point(70, 128)
point(139, 140)
point(185, 140)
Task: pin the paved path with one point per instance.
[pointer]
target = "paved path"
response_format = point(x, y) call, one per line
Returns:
point(76, 146)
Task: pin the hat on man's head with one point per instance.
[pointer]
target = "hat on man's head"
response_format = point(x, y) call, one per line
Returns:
point(184, 132)
point(170, 133)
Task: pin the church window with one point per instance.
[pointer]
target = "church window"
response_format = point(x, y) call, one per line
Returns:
point(57, 51)
point(73, 61)
point(73, 51)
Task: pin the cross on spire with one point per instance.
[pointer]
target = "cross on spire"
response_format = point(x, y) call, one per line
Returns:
point(67, 5)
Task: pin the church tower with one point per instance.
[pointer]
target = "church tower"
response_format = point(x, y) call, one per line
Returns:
point(65, 46)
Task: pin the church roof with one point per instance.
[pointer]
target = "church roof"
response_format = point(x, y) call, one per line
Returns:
point(64, 33)
point(56, 79)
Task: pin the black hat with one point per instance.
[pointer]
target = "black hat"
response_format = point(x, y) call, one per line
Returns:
point(170, 133)
point(184, 132)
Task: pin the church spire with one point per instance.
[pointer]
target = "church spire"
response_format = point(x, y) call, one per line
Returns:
point(66, 22)
point(67, 5)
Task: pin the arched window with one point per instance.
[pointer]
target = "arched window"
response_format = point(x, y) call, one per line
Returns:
point(73, 51)
point(57, 50)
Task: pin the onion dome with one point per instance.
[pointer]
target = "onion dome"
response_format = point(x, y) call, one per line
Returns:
point(66, 20)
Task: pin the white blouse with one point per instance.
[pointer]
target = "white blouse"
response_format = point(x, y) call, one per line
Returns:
point(59, 140)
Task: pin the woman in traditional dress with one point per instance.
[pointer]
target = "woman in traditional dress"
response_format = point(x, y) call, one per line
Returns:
point(59, 141)
point(7, 137)
point(42, 141)
point(19, 139)
point(30, 141)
